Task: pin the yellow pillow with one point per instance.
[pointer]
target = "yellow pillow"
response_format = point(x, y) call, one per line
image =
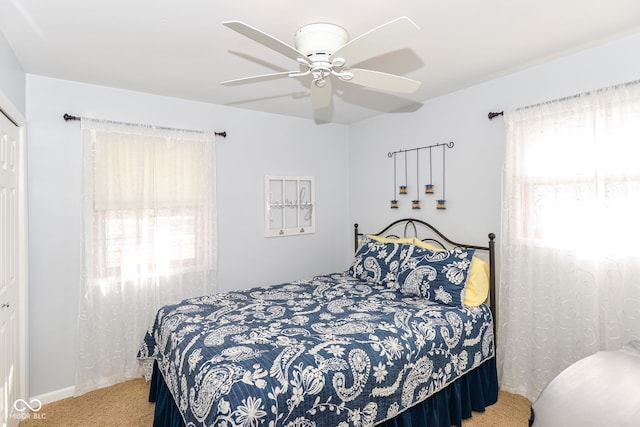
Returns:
point(391, 239)
point(477, 288)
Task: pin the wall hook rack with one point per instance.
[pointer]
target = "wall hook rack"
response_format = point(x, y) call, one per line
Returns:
point(429, 188)
point(447, 144)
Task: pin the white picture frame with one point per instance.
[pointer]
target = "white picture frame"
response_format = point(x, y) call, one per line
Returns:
point(289, 205)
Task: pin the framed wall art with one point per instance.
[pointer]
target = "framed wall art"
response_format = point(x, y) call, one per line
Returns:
point(289, 205)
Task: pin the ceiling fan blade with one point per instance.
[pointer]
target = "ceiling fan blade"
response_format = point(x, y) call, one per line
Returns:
point(377, 41)
point(383, 81)
point(264, 39)
point(256, 79)
point(321, 96)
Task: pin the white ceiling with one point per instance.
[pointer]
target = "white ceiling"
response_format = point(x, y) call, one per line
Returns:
point(181, 49)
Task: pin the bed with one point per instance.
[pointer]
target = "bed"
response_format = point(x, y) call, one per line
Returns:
point(395, 340)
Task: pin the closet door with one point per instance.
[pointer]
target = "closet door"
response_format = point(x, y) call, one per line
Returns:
point(12, 274)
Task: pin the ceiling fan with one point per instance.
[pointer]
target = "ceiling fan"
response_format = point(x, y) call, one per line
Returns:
point(324, 51)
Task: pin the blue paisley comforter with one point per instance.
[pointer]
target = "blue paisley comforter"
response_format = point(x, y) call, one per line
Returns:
point(328, 351)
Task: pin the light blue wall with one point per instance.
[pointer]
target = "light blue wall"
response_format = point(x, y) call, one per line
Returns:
point(258, 144)
point(12, 77)
point(473, 174)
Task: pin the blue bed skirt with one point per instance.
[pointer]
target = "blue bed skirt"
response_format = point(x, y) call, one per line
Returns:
point(472, 392)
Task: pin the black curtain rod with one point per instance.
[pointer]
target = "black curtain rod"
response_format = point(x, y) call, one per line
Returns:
point(622, 85)
point(68, 117)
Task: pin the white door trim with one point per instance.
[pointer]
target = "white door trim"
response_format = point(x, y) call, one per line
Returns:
point(11, 111)
point(22, 274)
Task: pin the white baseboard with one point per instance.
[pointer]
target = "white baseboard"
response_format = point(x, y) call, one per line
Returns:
point(55, 395)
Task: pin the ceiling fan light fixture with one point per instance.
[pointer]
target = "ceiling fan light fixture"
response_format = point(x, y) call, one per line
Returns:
point(321, 82)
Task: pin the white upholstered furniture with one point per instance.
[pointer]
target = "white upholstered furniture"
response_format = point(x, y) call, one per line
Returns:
point(600, 390)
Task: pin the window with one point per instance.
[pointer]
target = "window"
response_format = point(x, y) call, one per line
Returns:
point(149, 238)
point(578, 171)
point(151, 209)
point(570, 262)
point(165, 240)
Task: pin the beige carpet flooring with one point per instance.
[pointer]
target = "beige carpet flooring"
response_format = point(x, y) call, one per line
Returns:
point(126, 405)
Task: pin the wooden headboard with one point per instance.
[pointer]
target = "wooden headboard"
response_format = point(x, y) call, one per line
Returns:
point(412, 227)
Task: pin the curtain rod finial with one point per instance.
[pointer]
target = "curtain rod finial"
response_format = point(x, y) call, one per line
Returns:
point(493, 115)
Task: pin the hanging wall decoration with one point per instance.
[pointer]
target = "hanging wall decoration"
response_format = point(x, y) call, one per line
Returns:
point(428, 188)
point(442, 202)
point(403, 188)
point(394, 201)
point(415, 204)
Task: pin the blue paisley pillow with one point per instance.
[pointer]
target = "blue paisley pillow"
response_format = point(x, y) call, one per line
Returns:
point(378, 262)
point(439, 276)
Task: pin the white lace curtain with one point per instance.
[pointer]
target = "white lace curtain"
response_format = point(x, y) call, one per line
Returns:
point(149, 238)
point(570, 267)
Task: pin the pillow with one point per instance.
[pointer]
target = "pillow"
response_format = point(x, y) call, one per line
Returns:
point(377, 261)
point(477, 283)
point(477, 289)
point(391, 239)
point(439, 276)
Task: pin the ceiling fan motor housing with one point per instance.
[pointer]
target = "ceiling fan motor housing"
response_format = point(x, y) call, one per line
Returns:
point(320, 40)
point(317, 42)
